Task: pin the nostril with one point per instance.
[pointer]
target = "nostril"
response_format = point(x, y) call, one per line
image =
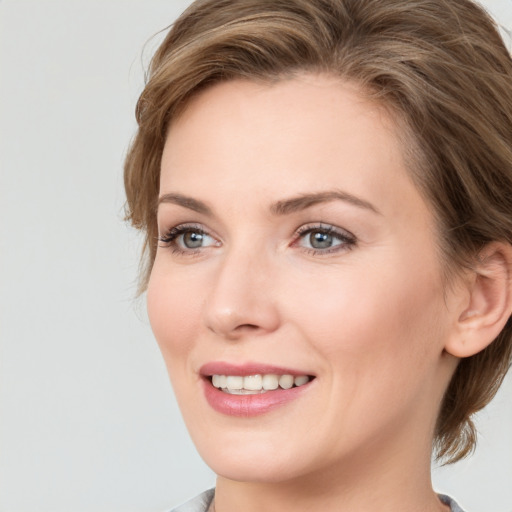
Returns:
point(248, 327)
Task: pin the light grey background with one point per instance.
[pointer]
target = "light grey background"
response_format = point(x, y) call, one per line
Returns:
point(87, 417)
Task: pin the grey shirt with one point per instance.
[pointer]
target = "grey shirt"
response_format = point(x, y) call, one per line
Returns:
point(202, 502)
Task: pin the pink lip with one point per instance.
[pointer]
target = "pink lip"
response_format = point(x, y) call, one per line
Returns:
point(223, 368)
point(248, 405)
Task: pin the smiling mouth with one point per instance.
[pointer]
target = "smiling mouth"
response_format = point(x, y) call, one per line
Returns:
point(257, 384)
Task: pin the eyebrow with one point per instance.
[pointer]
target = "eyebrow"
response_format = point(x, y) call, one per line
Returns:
point(282, 207)
point(305, 201)
point(186, 202)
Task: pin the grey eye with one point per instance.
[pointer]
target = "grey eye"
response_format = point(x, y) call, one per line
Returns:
point(325, 239)
point(193, 239)
point(320, 240)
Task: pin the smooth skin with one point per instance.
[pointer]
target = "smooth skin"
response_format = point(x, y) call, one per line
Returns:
point(349, 289)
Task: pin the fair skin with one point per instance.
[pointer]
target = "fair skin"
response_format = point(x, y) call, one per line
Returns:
point(346, 287)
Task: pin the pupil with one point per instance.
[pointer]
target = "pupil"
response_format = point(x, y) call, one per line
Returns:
point(320, 240)
point(192, 239)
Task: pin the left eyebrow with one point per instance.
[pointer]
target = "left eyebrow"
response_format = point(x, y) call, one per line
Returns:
point(304, 201)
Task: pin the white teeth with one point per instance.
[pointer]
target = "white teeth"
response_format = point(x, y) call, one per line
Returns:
point(233, 382)
point(286, 381)
point(301, 380)
point(253, 384)
point(270, 382)
point(222, 381)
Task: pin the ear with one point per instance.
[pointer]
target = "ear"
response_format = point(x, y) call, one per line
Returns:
point(488, 304)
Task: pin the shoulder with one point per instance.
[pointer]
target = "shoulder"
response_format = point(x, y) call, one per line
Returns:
point(200, 503)
point(449, 501)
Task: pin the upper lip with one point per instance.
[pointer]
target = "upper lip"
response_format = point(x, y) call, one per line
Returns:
point(243, 370)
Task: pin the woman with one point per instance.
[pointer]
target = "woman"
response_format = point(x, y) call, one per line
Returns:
point(326, 192)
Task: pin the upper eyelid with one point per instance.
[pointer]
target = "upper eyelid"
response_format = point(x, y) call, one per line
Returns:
point(183, 225)
point(165, 231)
point(304, 229)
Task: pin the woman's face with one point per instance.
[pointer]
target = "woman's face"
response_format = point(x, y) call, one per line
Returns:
point(293, 243)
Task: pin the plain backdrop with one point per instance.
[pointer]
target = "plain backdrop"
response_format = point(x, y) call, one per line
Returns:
point(87, 417)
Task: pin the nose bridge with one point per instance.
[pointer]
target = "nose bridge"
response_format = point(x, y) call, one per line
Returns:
point(241, 298)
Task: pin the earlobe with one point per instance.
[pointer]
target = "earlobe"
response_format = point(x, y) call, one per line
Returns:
point(489, 302)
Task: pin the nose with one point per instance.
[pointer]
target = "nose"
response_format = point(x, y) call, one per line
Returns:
point(241, 300)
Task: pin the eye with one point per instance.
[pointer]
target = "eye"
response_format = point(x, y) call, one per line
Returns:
point(325, 239)
point(320, 240)
point(192, 239)
point(187, 238)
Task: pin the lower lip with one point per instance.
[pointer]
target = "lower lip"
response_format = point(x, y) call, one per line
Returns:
point(250, 405)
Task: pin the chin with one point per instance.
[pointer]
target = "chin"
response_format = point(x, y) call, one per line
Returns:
point(268, 472)
point(262, 462)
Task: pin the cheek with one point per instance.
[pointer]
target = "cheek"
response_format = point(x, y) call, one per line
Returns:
point(173, 314)
point(378, 335)
point(371, 314)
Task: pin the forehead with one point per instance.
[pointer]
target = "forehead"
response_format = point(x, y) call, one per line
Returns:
point(305, 95)
point(293, 118)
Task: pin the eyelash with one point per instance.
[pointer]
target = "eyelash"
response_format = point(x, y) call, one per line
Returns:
point(169, 239)
point(348, 241)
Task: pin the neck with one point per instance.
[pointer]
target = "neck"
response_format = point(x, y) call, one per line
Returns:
point(323, 494)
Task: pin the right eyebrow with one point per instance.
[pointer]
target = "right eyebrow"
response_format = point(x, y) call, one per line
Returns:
point(186, 202)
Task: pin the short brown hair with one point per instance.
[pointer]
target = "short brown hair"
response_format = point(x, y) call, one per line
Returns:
point(439, 65)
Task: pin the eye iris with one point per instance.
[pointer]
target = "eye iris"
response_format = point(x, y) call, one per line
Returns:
point(192, 239)
point(320, 240)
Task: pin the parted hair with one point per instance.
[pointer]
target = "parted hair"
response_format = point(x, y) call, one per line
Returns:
point(439, 66)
